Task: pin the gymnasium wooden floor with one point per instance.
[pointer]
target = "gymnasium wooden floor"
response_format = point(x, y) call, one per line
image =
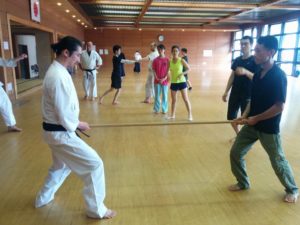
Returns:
point(155, 175)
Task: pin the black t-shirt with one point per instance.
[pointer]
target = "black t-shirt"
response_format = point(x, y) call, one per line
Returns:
point(265, 93)
point(241, 85)
point(117, 66)
point(122, 64)
point(187, 60)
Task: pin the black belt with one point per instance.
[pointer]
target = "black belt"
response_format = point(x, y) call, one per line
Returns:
point(89, 72)
point(57, 127)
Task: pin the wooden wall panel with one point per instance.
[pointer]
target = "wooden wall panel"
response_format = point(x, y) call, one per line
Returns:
point(52, 20)
point(194, 41)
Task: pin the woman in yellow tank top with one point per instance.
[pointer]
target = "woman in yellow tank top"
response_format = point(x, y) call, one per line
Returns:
point(178, 82)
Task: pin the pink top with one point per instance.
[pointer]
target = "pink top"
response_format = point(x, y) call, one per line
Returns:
point(161, 67)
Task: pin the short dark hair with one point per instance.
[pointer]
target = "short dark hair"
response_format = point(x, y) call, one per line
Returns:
point(248, 38)
point(175, 46)
point(184, 50)
point(161, 46)
point(269, 42)
point(68, 42)
point(116, 48)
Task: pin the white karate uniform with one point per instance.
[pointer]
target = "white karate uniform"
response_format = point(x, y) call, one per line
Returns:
point(69, 153)
point(150, 78)
point(89, 78)
point(137, 56)
point(5, 103)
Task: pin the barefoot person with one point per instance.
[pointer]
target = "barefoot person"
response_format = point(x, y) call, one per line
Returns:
point(90, 62)
point(178, 82)
point(261, 119)
point(69, 153)
point(149, 86)
point(5, 104)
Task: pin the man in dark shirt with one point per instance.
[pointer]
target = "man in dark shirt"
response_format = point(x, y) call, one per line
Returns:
point(261, 119)
point(243, 69)
point(185, 57)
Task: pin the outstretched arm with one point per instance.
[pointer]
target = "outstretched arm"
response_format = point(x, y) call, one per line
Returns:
point(127, 61)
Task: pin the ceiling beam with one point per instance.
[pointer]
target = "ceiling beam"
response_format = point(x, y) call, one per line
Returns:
point(143, 11)
point(81, 12)
point(231, 15)
point(192, 5)
point(170, 28)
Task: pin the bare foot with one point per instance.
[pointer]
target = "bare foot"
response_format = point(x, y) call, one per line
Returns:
point(146, 101)
point(170, 117)
point(85, 98)
point(14, 129)
point(116, 103)
point(93, 98)
point(291, 198)
point(235, 187)
point(100, 100)
point(109, 214)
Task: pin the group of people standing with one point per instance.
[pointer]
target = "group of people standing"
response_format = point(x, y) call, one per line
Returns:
point(263, 82)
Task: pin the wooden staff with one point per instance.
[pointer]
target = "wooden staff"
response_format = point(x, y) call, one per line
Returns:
point(159, 124)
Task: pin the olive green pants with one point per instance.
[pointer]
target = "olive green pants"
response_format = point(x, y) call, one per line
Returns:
point(272, 144)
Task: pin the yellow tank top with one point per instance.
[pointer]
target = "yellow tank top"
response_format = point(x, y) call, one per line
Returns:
point(176, 69)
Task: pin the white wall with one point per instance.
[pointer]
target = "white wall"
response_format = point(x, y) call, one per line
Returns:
point(30, 41)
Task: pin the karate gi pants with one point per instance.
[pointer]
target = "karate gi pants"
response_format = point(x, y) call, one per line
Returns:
point(150, 85)
point(6, 109)
point(90, 84)
point(76, 156)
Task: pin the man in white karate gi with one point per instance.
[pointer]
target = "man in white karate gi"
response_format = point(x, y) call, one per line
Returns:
point(60, 109)
point(5, 103)
point(150, 78)
point(90, 62)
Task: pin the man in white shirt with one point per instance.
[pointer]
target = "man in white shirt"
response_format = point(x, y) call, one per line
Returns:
point(137, 65)
point(60, 108)
point(150, 78)
point(90, 63)
point(5, 104)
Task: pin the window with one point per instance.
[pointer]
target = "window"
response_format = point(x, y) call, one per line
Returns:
point(297, 72)
point(287, 56)
point(288, 35)
point(254, 34)
point(238, 35)
point(275, 29)
point(248, 32)
point(291, 27)
point(287, 68)
point(236, 54)
point(237, 45)
point(298, 56)
point(265, 30)
point(289, 41)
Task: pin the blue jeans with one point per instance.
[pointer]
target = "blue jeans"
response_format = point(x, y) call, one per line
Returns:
point(164, 104)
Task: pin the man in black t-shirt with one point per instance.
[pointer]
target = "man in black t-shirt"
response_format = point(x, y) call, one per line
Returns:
point(262, 119)
point(185, 57)
point(243, 68)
